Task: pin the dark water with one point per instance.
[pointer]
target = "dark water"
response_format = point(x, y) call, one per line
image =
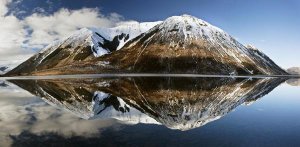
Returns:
point(150, 111)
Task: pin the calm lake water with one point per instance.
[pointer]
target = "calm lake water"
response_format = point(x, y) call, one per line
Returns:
point(150, 111)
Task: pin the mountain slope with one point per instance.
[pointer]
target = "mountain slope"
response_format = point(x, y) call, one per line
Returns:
point(180, 44)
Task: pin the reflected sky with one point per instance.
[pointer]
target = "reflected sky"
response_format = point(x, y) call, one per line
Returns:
point(269, 119)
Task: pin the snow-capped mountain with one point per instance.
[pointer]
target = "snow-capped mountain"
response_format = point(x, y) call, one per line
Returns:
point(180, 44)
point(83, 45)
point(178, 103)
point(185, 44)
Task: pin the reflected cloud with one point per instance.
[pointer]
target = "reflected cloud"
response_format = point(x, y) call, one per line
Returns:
point(22, 112)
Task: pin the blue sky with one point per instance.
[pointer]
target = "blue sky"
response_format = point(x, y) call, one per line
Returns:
point(273, 26)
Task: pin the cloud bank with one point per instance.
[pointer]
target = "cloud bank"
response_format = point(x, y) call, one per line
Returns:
point(19, 39)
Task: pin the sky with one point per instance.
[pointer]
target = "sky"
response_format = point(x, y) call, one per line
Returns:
point(26, 26)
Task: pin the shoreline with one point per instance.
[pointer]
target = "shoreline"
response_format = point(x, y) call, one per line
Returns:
point(145, 75)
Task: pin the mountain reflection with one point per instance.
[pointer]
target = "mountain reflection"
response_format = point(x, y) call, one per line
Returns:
point(177, 102)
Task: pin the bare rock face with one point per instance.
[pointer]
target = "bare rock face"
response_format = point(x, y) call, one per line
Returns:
point(294, 70)
point(180, 44)
point(178, 103)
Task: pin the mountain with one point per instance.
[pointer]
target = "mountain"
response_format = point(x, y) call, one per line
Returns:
point(178, 103)
point(83, 45)
point(180, 44)
point(294, 70)
point(185, 44)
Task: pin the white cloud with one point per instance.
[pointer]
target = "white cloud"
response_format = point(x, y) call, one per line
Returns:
point(3, 7)
point(12, 34)
point(19, 37)
point(65, 22)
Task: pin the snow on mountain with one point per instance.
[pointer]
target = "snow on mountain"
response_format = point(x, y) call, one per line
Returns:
point(189, 27)
point(105, 40)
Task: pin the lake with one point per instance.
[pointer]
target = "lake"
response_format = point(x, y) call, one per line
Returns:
point(150, 111)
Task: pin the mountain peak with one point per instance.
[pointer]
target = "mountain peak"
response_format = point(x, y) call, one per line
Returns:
point(185, 18)
point(188, 27)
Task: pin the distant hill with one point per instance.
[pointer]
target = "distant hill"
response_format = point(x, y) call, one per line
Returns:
point(294, 70)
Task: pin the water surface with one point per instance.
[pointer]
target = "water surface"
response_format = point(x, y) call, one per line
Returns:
point(149, 111)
